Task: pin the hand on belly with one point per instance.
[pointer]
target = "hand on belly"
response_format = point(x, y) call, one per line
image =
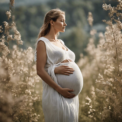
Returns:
point(63, 69)
point(73, 81)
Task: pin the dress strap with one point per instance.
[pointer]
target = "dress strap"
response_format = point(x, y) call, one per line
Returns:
point(62, 41)
point(47, 48)
point(41, 39)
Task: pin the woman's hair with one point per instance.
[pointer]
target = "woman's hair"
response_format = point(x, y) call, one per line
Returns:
point(53, 14)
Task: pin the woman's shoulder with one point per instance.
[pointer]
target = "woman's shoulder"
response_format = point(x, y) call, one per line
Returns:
point(61, 41)
point(44, 39)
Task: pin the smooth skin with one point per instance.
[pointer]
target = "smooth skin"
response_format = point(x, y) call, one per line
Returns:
point(42, 58)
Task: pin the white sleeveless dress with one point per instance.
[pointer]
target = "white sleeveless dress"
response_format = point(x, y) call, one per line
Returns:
point(57, 108)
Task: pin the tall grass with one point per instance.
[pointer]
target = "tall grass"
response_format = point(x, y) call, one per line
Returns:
point(21, 89)
point(19, 84)
point(102, 70)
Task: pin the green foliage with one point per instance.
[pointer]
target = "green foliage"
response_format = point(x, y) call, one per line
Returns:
point(30, 18)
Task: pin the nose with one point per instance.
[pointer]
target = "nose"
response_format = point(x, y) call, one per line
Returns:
point(65, 24)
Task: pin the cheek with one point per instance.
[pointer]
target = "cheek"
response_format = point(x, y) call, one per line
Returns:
point(59, 24)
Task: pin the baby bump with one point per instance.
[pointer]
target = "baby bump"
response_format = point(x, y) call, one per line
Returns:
point(73, 81)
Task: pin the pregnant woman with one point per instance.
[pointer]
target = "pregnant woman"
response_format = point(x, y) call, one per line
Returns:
point(62, 78)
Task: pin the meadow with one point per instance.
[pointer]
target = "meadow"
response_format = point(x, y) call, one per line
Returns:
point(21, 88)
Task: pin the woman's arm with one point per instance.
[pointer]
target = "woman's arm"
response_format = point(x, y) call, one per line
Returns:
point(65, 70)
point(40, 64)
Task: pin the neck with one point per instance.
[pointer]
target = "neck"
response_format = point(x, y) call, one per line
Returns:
point(52, 38)
point(52, 35)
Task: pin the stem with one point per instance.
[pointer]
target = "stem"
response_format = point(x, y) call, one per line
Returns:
point(116, 49)
point(28, 118)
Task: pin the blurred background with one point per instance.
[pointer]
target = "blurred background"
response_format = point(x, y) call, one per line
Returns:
point(29, 15)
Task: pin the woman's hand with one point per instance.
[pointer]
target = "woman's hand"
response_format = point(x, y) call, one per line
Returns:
point(65, 92)
point(65, 70)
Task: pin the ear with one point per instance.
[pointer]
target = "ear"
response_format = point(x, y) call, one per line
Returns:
point(51, 22)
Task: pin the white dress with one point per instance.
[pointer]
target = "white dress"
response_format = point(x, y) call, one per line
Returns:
point(57, 108)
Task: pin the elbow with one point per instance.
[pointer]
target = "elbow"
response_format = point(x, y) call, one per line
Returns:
point(40, 72)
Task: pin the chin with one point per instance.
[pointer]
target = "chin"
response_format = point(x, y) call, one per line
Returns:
point(63, 30)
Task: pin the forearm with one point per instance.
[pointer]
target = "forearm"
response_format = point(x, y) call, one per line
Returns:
point(46, 77)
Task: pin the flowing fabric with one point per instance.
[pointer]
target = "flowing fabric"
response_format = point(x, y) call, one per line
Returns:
point(57, 108)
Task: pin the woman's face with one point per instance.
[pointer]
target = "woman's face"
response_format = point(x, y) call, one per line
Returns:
point(60, 24)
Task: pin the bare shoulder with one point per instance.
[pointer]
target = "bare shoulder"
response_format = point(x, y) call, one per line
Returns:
point(41, 45)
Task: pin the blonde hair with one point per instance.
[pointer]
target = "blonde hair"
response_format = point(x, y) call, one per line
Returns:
point(53, 14)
